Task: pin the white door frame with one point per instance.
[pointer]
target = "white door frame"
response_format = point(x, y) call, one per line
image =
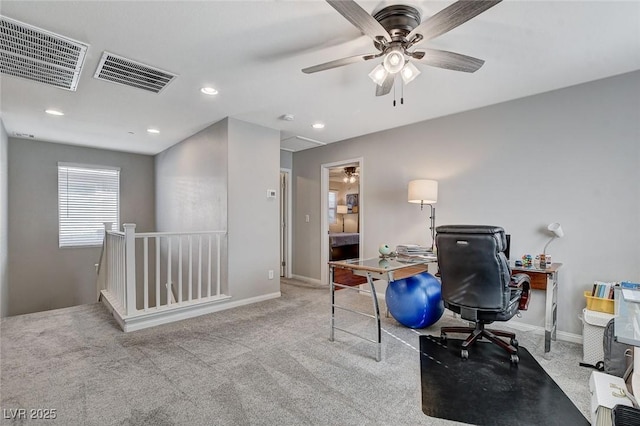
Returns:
point(287, 218)
point(324, 208)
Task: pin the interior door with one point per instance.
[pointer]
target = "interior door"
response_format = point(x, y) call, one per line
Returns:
point(284, 223)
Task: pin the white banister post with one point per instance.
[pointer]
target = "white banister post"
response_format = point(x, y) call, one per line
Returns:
point(130, 262)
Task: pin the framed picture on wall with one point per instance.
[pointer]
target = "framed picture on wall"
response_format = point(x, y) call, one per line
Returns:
point(352, 203)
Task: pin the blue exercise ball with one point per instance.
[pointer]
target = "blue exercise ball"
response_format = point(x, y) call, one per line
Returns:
point(415, 302)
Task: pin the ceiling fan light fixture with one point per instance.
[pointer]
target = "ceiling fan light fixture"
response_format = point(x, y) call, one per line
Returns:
point(394, 60)
point(378, 75)
point(350, 174)
point(409, 73)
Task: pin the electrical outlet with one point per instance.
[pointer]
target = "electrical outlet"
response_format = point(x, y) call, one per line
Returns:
point(270, 274)
point(306, 218)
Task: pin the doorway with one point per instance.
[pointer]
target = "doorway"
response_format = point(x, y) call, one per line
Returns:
point(285, 220)
point(342, 204)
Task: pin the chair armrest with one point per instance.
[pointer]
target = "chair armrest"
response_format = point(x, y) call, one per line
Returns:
point(522, 281)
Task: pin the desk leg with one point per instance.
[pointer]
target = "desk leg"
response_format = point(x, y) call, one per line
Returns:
point(376, 311)
point(635, 378)
point(551, 310)
point(333, 303)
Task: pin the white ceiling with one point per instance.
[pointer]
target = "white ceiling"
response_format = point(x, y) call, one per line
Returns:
point(252, 52)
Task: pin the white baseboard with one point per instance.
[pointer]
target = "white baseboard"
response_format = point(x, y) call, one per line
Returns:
point(535, 329)
point(151, 319)
point(560, 335)
point(309, 280)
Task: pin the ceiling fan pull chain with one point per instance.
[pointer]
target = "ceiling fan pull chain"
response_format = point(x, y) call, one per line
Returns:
point(394, 94)
point(402, 95)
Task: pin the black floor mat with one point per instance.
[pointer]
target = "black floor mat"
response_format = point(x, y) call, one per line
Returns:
point(487, 389)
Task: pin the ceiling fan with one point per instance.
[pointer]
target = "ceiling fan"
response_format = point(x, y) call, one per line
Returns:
point(350, 174)
point(396, 29)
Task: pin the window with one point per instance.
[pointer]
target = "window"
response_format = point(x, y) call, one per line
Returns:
point(333, 197)
point(88, 196)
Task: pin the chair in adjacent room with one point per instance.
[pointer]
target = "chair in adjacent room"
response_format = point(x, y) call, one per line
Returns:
point(477, 283)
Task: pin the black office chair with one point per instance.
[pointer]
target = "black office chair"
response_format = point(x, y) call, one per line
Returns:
point(477, 283)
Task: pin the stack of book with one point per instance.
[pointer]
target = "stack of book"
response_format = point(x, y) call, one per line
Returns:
point(415, 251)
point(603, 290)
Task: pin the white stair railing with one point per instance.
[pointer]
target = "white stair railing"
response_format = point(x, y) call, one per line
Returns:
point(155, 272)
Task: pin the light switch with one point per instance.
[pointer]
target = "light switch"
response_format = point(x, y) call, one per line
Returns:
point(306, 218)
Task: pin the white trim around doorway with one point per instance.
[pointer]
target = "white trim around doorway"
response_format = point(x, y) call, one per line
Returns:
point(324, 231)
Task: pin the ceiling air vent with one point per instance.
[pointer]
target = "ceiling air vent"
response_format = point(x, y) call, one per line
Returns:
point(117, 69)
point(39, 55)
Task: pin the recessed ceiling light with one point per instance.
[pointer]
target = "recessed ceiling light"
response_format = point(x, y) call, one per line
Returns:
point(154, 131)
point(209, 91)
point(54, 112)
point(318, 125)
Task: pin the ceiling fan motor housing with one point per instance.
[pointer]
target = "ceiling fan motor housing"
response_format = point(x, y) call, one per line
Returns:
point(399, 20)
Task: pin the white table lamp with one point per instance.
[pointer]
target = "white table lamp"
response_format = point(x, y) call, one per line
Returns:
point(342, 210)
point(557, 232)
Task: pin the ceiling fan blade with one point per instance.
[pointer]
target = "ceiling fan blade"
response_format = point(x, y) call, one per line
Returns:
point(451, 17)
point(360, 18)
point(451, 60)
point(386, 85)
point(338, 63)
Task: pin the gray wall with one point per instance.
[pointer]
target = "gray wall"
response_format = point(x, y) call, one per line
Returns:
point(254, 167)
point(41, 275)
point(217, 180)
point(191, 182)
point(570, 156)
point(286, 159)
point(4, 193)
point(191, 186)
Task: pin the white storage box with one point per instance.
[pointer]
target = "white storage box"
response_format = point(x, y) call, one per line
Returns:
point(606, 392)
point(594, 323)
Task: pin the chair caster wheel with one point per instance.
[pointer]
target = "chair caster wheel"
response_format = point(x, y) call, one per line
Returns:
point(464, 354)
point(515, 359)
point(514, 343)
point(443, 337)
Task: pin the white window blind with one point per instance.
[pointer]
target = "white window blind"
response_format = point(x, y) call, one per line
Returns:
point(88, 196)
point(333, 197)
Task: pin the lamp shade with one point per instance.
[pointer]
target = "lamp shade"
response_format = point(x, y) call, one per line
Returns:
point(423, 191)
point(341, 209)
point(556, 229)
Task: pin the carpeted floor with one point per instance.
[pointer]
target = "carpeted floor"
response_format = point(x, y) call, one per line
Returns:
point(265, 364)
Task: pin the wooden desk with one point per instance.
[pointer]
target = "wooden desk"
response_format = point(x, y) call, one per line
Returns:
point(545, 279)
point(388, 269)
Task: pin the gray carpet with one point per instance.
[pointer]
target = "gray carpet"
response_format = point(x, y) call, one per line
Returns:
point(266, 364)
